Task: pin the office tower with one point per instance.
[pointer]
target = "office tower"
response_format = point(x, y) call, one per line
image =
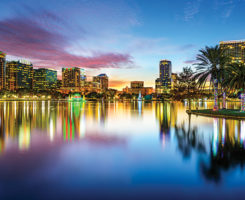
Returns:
point(44, 79)
point(234, 49)
point(136, 87)
point(19, 75)
point(103, 80)
point(83, 78)
point(71, 78)
point(163, 83)
point(137, 84)
point(2, 70)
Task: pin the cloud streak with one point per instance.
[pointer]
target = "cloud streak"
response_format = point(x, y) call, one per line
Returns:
point(191, 9)
point(46, 46)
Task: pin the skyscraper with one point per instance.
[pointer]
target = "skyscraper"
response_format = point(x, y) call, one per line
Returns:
point(83, 78)
point(163, 83)
point(71, 78)
point(44, 79)
point(19, 75)
point(2, 70)
point(234, 49)
point(103, 80)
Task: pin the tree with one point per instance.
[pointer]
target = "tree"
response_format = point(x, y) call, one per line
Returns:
point(186, 83)
point(235, 80)
point(211, 66)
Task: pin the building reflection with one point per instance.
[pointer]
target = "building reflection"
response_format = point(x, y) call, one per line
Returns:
point(166, 114)
point(227, 149)
point(136, 108)
point(73, 120)
point(20, 120)
point(224, 150)
point(227, 146)
point(23, 121)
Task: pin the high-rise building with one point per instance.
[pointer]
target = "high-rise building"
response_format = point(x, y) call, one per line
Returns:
point(234, 49)
point(83, 78)
point(137, 84)
point(71, 78)
point(19, 75)
point(2, 70)
point(163, 83)
point(103, 80)
point(44, 79)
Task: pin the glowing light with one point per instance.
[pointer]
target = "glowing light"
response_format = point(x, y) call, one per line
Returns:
point(82, 127)
point(24, 137)
point(223, 132)
point(140, 107)
point(51, 129)
point(242, 136)
point(242, 102)
point(215, 137)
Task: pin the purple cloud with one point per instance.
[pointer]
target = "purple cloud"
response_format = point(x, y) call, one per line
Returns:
point(44, 44)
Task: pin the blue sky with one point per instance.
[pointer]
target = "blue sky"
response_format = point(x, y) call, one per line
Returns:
point(123, 38)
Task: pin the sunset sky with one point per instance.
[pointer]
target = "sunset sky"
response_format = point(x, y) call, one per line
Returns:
point(123, 38)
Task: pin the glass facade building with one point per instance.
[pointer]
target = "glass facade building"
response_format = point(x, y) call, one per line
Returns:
point(103, 81)
point(71, 78)
point(234, 49)
point(163, 83)
point(83, 78)
point(19, 75)
point(2, 70)
point(44, 79)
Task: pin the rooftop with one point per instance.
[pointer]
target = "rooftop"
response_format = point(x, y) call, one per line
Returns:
point(102, 75)
point(232, 41)
point(165, 60)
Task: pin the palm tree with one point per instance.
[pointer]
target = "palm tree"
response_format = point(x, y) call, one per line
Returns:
point(235, 80)
point(211, 66)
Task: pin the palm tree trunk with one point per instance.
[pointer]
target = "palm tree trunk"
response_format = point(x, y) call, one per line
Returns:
point(216, 107)
point(189, 104)
point(242, 102)
point(224, 100)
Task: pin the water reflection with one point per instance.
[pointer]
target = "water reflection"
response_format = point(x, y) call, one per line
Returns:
point(222, 151)
point(218, 144)
point(19, 121)
point(227, 150)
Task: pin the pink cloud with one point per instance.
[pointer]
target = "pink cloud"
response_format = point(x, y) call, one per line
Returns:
point(190, 61)
point(45, 45)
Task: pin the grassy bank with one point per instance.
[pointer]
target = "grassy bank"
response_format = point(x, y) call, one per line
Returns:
point(223, 113)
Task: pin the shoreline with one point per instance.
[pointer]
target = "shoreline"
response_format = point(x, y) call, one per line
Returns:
point(226, 113)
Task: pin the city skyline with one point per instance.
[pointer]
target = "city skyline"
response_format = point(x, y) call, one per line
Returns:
point(127, 39)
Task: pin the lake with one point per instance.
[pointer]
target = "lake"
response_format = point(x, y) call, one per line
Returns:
point(118, 150)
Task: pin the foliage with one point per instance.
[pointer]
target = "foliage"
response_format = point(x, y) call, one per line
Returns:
point(211, 65)
point(186, 85)
point(235, 78)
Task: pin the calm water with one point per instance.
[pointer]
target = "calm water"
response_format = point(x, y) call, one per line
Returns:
point(61, 150)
